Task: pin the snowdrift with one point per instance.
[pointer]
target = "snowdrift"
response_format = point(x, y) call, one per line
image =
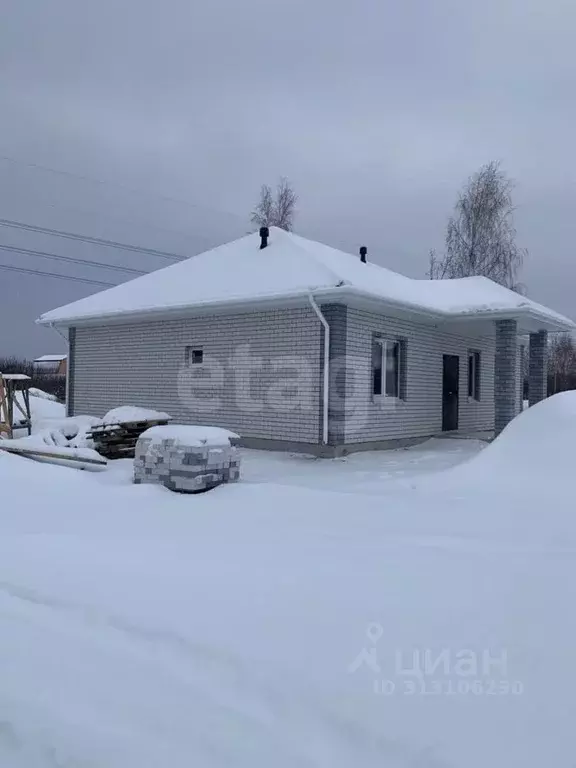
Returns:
point(183, 434)
point(63, 439)
point(126, 414)
point(42, 408)
point(539, 442)
point(35, 392)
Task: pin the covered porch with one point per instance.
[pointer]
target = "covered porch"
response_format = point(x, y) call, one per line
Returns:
point(520, 353)
point(510, 357)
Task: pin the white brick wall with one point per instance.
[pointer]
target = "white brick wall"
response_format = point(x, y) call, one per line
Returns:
point(142, 364)
point(420, 414)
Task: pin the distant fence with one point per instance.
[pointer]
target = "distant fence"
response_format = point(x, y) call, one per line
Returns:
point(54, 384)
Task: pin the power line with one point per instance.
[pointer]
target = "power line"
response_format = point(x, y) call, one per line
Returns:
point(134, 190)
point(133, 220)
point(129, 220)
point(71, 259)
point(89, 239)
point(25, 271)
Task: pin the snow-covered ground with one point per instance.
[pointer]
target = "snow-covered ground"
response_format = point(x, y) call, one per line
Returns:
point(42, 408)
point(360, 472)
point(276, 622)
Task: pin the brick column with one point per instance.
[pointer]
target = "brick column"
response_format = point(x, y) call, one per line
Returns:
point(505, 394)
point(521, 364)
point(538, 367)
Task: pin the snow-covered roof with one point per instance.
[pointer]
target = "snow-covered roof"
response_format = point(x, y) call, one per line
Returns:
point(291, 266)
point(50, 358)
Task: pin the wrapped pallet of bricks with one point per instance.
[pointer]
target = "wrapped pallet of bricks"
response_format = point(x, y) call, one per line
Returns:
point(187, 459)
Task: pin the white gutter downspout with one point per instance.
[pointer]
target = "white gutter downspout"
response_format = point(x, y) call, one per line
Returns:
point(67, 340)
point(53, 327)
point(326, 372)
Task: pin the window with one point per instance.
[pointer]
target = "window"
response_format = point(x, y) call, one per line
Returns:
point(474, 375)
point(193, 355)
point(386, 365)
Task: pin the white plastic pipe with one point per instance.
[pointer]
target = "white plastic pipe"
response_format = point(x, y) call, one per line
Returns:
point(67, 340)
point(326, 372)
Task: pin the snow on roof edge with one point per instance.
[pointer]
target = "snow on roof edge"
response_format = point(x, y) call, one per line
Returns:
point(531, 309)
point(177, 308)
point(324, 271)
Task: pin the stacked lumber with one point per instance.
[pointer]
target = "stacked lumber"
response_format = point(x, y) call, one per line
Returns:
point(118, 441)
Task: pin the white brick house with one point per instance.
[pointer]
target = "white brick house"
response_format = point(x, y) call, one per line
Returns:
point(297, 345)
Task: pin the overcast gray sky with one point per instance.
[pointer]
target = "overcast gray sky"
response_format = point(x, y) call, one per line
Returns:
point(377, 111)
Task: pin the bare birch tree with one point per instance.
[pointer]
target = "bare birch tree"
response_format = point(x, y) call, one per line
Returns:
point(276, 210)
point(480, 235)
point(263, 213)
point(562, 362)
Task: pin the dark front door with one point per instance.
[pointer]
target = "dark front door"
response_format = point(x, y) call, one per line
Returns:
point(450, 376)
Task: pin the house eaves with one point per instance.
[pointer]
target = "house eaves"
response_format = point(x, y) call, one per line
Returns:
point(343, 292)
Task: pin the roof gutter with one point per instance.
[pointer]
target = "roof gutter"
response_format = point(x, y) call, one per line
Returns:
point(178, 309)
point(337, 291)
point(54, 328)
point(549, 322)
point(326, 369)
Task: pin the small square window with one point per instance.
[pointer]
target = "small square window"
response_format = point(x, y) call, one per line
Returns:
point(194, 356)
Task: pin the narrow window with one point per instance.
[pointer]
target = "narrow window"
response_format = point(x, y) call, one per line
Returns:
point(386, 367)
point(376, 367)
point(392, 349)
point(474, 375)
point(193, 356)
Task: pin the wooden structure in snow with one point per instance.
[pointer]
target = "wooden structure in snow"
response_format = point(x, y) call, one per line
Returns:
point(12, 405)
point(118, 441)
point(53, 455)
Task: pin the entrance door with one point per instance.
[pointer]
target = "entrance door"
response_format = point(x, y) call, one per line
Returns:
point(450, 378)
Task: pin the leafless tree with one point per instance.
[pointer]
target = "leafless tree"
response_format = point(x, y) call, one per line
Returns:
point(276, 210)
point(562, 362)
point(480, 235)
point(264, 213)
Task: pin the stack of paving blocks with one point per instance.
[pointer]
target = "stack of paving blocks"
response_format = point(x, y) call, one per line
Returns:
point(181, 467)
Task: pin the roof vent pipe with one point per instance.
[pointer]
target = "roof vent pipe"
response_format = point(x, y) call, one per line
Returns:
point(264, 233)
point(363, 253)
